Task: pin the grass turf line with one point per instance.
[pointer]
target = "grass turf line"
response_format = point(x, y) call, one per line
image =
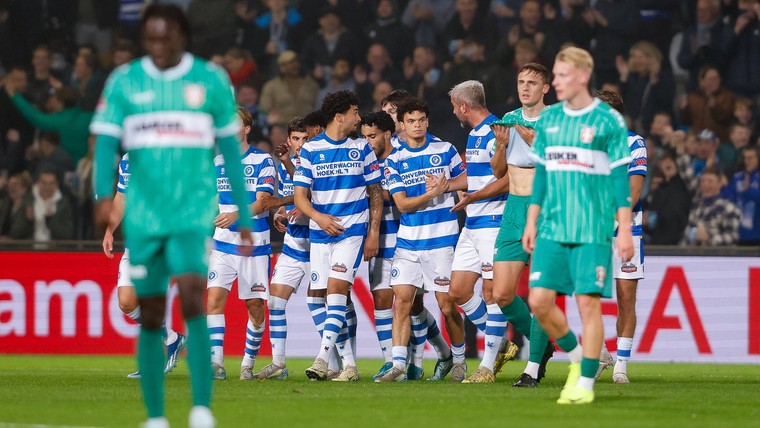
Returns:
point(94, 391)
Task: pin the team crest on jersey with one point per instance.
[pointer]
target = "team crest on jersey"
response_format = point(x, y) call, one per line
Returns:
point(248, 170)
point(435, 160)
point(601, 275)
point(195, 95)
point(587, 134)
point(354, 154)
point(477, 143)
point(212, 275)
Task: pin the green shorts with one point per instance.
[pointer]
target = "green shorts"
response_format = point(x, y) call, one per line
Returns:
point(572, 268)
point(154, 259)
point(509, 240)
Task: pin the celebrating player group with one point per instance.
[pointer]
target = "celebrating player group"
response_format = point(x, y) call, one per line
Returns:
point(553, 184)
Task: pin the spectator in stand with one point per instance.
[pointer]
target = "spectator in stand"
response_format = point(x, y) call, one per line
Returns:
point(95, 18)
point(743, 115)
point(700, 42)
point(51, 212)
point(470, 64)
point(124, 51)
point(213, 25)
point(379, 68)
point(661, 127)
point(38, 87)
point(49, 156)
point(710, 106)
point(580, 20)
point(528, 27)
point(730, 152)
point(704, 156)
point(277, 30)
point(247, 96)
point(15, 207)
point(744, 192)
point(713, 220)
point(615, 24)
point(648, 88)
point(340, 80)
point(381, 90)
point(290, 94)
point(740, 46)
point(420, 72)
point(468, 23)
point(667, 205)
point(239, 65)
point(331, 42)
point(87, 79)
point(388, 30)
point(505, 13)
point(65, 117)
point(128, 19)
point(81, 187)
point(428, 18)
point(525, 52)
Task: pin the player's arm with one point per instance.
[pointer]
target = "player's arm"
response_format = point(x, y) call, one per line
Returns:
point(534, 210)
point(372, 243)
point(228, 146)
point(117, 214)
point(106, 149)
point(458, 183)
point(330, 224)
point(499, 158)
point(620, 183)
point(406, 204)
point(496, 188)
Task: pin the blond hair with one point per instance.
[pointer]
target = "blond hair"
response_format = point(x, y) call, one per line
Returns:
point(470, 92)
point(577, 57)
point(648, 49)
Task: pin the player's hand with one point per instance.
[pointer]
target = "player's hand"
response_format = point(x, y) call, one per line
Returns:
point(529, 238)
point(624, 244)
point(269, 202)
point(371, 245)
point(330, 224)
point(464, 200)
point(526, 133)
point(103, 210)
point(282, 152)
point(294, 215)
point(439, 185)
point(501, 133)
point(225, 220)
point(108, 244)
point(246, 241)
point(280, 222)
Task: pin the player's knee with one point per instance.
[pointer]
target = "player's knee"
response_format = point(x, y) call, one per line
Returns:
point(460, 295)
point(539, 305)
point(127, 307)
point(256, 310)
point(502, 297)
point(449, 311)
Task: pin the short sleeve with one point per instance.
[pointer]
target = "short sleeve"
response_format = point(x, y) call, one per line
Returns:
point(372, 173)
point(123, 183)
point(111, 109)
point(303, 175)
point(638, 165)
point(456, 166)
point(265, 182)
point(617, 141)
point(393, 179)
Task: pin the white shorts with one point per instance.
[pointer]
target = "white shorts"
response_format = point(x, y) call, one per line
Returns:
point(633, 269)
point(339, 260)
point(289, 271)
point(380, 273)
point(252, 274)
point(124, 280)
point(429, 270)
point(474, 252)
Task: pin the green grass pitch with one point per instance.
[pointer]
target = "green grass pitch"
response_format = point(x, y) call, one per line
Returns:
point(93, 391)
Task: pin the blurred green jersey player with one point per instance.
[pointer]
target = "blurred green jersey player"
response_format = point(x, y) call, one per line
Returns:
point(168, 109)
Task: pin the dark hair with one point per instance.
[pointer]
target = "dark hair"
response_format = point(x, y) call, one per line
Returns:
point(91, 60)
point(245, 116)
point(67, 96)
point(714, 170)
point(536, 68)
point(168, 12)
point(315, 118)
point(50, 137)
point(411, 105)
point(49, 171)
point(125, 45)
point(703, 71)
point(612, 99)
point(338, 102)
point(296, 125)
point(380, 119)
point(395, 98)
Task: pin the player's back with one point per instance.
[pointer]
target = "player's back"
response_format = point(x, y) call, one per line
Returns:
point(169, 124)
point(579, 149)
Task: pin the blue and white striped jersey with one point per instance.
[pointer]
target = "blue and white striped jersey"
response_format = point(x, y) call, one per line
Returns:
point(433, 226)
point(389, 223)
point(124, 174)
point(396, 142)
point(258, 171)
point(638, 166)
point(296, 241)
point(338, 172)
point(480, 146)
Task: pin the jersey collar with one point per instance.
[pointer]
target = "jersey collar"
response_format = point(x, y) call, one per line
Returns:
point(491, 118)
point(173, 73)
point(580, 112)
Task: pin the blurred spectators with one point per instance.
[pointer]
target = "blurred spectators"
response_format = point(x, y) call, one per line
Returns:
point(87, 79)
point(468, 24)
point(340, 80)
point(744, 191)
point(388, 30)
point(277, 30)
point(247, 96)
point(239, 65)
point(713, 220)
point(428, 18)
point(730, 151)
point(666, 208)
point(81, 187)
point(38, 86)
point(743, 114)
point(213, 25)
point(704, 155)
point(331, 42)
point(379, 68)
point(615, 24)
point(470, 63)
point(49, 156)
point(710, 106)
point(95, 19)
point(15, 208)
point(51, 212)
point(420, 72)
point(290, 94)
point(740, 46)
point(700, 42)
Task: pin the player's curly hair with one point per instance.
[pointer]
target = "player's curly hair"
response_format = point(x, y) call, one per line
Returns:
point(168, 12)
point(612, 99)
point(395, 98)
point(379, 119)
point(410, 105)
point(315, 118)
point(338, 102)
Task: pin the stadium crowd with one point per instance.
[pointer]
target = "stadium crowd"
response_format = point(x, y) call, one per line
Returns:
point(687, 70)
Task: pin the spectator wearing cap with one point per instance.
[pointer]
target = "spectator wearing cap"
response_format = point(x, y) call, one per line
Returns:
point(52, 213)
point(15, 204)
point(700, 42)
point(744, 191)
point(710, 106)
point(290, 94)
point(730, 152)
point(705, 155)
point(666, 207)
point(330, 42)
point(713, 220)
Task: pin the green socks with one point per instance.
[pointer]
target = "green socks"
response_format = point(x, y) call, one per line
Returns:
point(589, 367)
point(568, 342)
point(150, 362)
point(199, 360)
point(518, 314)
point(538, 341)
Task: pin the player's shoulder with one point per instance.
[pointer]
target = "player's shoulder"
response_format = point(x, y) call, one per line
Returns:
point(257, 156)
point(609, 113)
point(636, 141)
point(125, 158)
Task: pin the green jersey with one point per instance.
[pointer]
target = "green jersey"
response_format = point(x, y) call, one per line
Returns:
point(518, 151)
point(516, 117)
point(168, 121)
point(579, 149)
